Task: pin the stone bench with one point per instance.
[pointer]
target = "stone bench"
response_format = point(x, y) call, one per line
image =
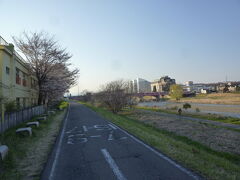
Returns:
point(35, 123)
point(3, 151)
point(51, 112)
point(42, 118)
point(24, 130)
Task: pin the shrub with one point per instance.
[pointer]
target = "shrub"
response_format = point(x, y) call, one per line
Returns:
point(63, 105)
point(10, 106)
point(186, 106)
point(197, 110)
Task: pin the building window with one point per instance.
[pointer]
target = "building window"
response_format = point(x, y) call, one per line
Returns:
point(7, 70)
point(24, 80)
point(18, 78)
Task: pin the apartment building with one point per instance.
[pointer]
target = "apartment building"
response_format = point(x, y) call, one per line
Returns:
point(16, 82)
point(163, 84)
point(140, 86)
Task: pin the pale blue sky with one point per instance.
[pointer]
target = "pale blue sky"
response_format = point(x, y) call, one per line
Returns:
point(112, 39)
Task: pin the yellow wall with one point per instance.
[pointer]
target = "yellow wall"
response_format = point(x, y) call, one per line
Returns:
point(9, 89)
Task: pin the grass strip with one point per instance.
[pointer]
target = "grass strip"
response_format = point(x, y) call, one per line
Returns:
point(28, 154)
point(209, 163)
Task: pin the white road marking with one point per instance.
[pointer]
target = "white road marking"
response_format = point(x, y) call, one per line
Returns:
point(79, 134)
point(123, 138)
point(110, 137)
point(100, 126)
point(113, 165)
point(85, 128)
point(113, 127)
point(71, 130)
point(100, 129)
point(70, 142)
point(83, 140)
point(95, 136)
point(58, 147)
point(160, 155)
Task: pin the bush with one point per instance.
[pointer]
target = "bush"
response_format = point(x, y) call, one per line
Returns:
point(10, 106)
point(186, 106)
point(63, 105)
point(197, 110)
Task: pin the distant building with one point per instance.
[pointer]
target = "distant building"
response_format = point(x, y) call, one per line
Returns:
point(228, 86)
point(189, 83)
point(162, 85)
point(16, 82)
point(140, 86)
point(199, 87)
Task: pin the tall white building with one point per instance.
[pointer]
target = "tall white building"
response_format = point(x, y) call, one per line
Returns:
point(140, 86)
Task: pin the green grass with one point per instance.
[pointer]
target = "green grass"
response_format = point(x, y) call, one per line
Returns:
point(212, 117)
point(209, 163)
point(19, 145)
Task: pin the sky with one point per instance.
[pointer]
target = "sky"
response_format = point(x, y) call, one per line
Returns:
point(127, 39)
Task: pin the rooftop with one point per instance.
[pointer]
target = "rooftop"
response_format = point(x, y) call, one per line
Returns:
point(3, 42)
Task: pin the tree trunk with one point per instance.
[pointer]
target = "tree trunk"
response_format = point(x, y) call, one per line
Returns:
point(40, 98)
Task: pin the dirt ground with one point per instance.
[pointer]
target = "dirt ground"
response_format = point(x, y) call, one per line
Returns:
point(217, 138)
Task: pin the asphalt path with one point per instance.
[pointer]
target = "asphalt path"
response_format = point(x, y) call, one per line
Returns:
point(89, 147)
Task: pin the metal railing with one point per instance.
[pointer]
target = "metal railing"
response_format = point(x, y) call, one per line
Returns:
point(15, 118)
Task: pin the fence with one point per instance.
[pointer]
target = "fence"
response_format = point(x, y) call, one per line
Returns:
point(15, 118)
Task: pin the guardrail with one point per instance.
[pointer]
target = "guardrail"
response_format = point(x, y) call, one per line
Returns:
point(14, 118)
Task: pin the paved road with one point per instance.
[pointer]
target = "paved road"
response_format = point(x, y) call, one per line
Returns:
point(89, 147)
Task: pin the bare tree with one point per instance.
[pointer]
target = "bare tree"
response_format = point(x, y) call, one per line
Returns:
point(114, 95)
point(48, 62)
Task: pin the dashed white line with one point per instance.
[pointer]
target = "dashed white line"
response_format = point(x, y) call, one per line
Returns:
point(113, 165)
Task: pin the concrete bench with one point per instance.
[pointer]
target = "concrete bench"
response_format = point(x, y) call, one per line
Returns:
point(42, 118)
point(35, 123)
point(23, 130)
point(51, 112)
point(3, 151)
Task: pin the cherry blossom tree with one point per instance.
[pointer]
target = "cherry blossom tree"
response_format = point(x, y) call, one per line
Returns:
point(48, 62)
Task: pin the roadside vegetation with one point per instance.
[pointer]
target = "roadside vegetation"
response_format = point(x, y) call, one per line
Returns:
point(202, 159)
point(28, 154)
point(63, 105)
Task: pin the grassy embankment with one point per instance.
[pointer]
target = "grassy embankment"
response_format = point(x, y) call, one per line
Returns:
point(200, 158)
point(28, 154)
point(213, 117)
